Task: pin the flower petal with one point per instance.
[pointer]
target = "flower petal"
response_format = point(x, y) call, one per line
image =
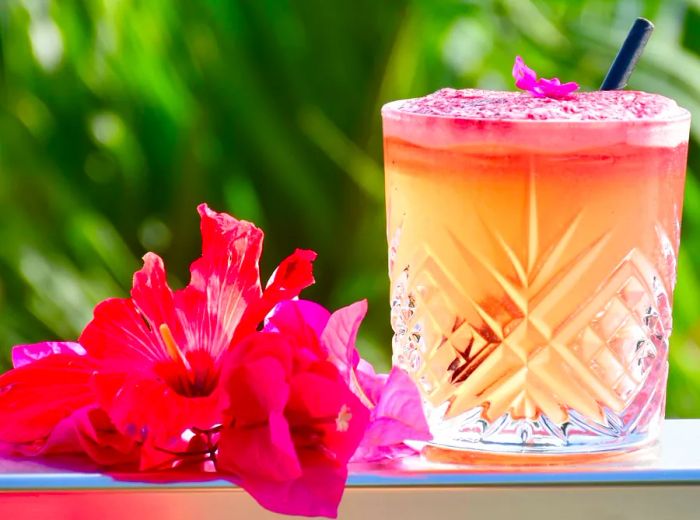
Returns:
point(125, 332)
point(294, 274)
point(255, 440)
point(147, 410)
point(155, 302)
point(224, 281)
point(301, 322)
point(380, 453)
point(399, 412)
point(120, 337)
point(398, 417)
point(264, 452)
point(298, 318)
point(35, 397)
point(371, 384)
point(525, 77)
point(261, 345)
point(250, 400)
point(318, 398)
point(340, 335)
point(315, 493)
point(26, 354)
point(100, 440)
point(86, 431)
point(555, 89)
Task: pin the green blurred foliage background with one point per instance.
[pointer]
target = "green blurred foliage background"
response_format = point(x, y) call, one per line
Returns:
point(118, 116)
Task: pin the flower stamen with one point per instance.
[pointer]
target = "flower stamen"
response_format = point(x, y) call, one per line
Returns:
point(342, 422)
point(173, 349)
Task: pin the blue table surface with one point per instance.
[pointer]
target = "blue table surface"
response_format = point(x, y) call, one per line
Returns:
point(676, 460)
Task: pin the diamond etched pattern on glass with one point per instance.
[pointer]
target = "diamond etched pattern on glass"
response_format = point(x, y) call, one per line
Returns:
point(535, 363)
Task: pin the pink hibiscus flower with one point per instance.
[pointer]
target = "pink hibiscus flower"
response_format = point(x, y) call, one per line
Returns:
point(146, 370)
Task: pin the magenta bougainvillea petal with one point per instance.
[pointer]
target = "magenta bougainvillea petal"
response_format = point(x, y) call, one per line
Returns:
point(291, 424)
point(526, 79)
point(301, 321)
point(397, 417)
point(26, 354)
point(396, 411)
point(257, 441)
point(340, 336)
point(398, 414)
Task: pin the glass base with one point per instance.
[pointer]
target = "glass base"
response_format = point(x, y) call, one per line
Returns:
point(540, 437)
point(631, 455)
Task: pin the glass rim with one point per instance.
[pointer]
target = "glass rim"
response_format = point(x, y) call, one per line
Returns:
point(389, 109)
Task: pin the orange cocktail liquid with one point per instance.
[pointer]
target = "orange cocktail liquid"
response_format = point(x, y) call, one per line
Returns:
point(532, 265)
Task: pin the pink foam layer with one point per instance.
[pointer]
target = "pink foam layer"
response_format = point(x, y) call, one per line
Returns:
point(615, 105)
point(452, 117)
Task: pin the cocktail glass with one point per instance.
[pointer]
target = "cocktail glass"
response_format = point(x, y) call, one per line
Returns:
point(532, 258)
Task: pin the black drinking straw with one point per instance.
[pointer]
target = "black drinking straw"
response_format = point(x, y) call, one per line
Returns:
point(628, 55)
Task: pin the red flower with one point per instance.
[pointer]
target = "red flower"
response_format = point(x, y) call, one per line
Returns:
point(150, 364)
point(291, 424)
point(184, 379)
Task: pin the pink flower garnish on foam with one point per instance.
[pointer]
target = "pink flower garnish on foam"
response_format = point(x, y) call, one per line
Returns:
point(526, 79)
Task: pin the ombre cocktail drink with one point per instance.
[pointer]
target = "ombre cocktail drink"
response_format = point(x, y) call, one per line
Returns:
point(532, 254)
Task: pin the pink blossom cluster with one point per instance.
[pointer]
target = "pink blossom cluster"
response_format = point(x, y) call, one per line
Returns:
point(222, 377)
